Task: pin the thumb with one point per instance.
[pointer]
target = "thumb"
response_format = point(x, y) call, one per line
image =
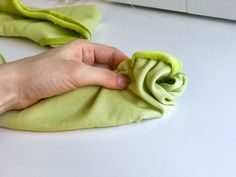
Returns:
point(91, 75)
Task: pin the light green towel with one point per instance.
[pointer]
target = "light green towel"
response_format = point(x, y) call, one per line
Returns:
point(48, 26)
point(156, 81)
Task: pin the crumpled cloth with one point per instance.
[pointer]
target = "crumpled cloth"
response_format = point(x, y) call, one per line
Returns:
point(156, 81)
point(48, 27)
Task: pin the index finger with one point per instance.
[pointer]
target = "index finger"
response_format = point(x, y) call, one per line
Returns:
point(108, 55)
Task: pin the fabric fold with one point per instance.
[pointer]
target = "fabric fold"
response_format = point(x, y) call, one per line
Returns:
point(156, 82)
point(2, 61)
point(52, 27)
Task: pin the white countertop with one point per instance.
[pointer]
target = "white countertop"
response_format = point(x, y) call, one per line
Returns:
point(196, 139)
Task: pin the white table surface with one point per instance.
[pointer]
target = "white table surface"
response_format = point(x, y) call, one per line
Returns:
point(196, 139)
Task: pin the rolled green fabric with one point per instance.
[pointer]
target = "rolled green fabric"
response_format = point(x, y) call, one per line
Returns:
point(48, 26)
point(156, 81)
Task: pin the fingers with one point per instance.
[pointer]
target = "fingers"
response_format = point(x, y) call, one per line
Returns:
point(108, 55)
point(90, 75)
point(93, 53)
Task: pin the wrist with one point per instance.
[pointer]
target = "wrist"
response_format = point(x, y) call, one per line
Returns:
point(8, 88)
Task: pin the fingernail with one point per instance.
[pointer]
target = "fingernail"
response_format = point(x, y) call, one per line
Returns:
point(123, 81)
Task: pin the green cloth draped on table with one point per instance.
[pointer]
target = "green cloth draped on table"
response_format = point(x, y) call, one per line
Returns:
point(50, 27)
point(156, 81)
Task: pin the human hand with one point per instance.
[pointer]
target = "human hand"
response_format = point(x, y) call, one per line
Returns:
point(57, 71)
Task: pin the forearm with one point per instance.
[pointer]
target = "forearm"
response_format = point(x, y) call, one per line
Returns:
point(8, 88)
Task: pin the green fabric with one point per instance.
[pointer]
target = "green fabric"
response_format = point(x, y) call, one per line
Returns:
point(48, 26)
point(1, 59)
point(156, 81)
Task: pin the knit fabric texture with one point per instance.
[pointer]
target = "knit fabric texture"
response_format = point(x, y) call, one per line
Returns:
point(48, 27)
point(156, 81)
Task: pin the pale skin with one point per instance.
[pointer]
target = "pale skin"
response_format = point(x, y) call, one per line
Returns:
point(59, 70)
